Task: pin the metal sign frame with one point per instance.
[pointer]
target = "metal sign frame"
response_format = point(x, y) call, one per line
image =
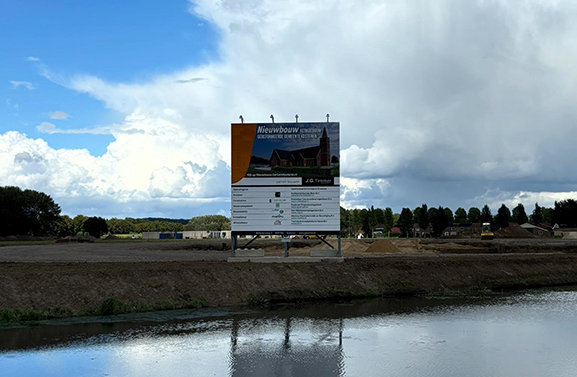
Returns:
point(245, 168)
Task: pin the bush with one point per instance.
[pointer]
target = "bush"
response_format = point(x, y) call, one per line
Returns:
point(95, 226)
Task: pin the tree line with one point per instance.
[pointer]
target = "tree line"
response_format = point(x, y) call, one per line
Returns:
point(366, 220)
point(29, 212)
point(33, 213)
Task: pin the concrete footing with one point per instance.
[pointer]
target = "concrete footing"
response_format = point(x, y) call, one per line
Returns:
point(243, 253)
point(279, 259)
point(324, 253)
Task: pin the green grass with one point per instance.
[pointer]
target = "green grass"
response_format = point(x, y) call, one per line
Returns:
point(109, 306)
point(114, 306)
point(17, 315)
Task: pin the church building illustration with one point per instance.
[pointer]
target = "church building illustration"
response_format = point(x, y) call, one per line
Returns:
point(312, 156)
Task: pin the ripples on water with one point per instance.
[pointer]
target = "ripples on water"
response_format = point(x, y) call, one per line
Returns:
point(527, 334)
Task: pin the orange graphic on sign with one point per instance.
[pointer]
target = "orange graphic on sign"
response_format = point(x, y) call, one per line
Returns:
point(242, 139)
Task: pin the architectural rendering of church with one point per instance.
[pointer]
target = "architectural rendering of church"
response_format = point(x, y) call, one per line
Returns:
point(312, 156)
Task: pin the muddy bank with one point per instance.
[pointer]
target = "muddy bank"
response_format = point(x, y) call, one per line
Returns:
point(72, 288)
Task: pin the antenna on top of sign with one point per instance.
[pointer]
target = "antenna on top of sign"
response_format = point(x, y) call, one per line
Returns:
point(296, 118)
point(328, 118)
point(272, 117)
point(241, 119)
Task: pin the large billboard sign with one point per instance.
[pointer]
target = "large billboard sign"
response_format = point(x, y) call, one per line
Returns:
point(285, 178)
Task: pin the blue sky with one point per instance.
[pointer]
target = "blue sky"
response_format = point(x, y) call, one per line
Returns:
point(123, 108)
point(117, 41)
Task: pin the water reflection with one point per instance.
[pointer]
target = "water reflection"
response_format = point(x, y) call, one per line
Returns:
point(530, 334)
point(285, 348)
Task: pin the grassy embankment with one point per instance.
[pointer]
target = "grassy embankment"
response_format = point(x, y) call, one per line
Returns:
point(110, 306)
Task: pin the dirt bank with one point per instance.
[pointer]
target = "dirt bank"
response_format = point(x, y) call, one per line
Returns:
point(70, 288)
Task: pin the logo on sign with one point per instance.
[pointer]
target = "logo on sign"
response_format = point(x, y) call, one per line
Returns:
point(278, 222)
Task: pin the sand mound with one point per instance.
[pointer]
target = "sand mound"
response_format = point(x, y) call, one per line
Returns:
point(513, 231)
point(354, 246)
point(348, 246)
point(408, 246)
point(384, 247)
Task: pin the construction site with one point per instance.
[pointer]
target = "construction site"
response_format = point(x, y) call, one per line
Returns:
point(69, 279)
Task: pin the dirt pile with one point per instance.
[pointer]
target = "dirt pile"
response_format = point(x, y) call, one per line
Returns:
point(513, 231)
point(347, 246)
point(383, 247)
point(407, 246)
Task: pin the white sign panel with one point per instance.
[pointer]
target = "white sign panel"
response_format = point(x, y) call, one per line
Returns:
point(285, 178)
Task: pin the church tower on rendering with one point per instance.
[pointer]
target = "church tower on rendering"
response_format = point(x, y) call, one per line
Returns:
point(325, 152)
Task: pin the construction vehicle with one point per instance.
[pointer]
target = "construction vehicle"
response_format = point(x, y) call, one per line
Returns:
point(486, 233)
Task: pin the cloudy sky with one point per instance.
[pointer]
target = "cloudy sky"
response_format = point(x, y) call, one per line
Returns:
point(124, 108)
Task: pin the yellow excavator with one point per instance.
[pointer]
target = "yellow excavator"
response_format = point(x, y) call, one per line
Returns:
point(486, 233)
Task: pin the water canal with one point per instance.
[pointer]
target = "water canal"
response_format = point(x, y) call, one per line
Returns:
point(531, 333)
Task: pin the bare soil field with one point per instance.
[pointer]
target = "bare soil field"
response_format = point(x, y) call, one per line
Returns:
point(67, 279)
point(189, 250)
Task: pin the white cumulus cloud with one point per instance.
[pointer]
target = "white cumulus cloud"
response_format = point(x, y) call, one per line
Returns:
point(439, 102)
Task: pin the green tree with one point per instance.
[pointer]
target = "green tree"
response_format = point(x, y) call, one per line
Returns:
point(356, 220)
point(78, 222)
point(380, 216)
point(95, 226)
point(486, 216)
point(365, 221)
point(120, 226)
point(503, 216)
point(159, 226)
point(439, 221)
point(345, 222)
point(372, 220)
point(537, 215)
point(432, 214)
point(389, 219)
point(421, 216)
point(449, 214)
point(474, 215)
point(547, 214)
point(65, 226)
point(406, 222)
point(460, 215)
point(208, 223)
point(565, 212)
point(27, 212)
point(42, 213)
point(519, 215)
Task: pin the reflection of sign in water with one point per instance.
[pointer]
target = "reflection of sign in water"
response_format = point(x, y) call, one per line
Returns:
point(281, 351)
point(285, 178)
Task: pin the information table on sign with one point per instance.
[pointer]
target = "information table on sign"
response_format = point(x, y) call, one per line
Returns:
point(280, 210)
